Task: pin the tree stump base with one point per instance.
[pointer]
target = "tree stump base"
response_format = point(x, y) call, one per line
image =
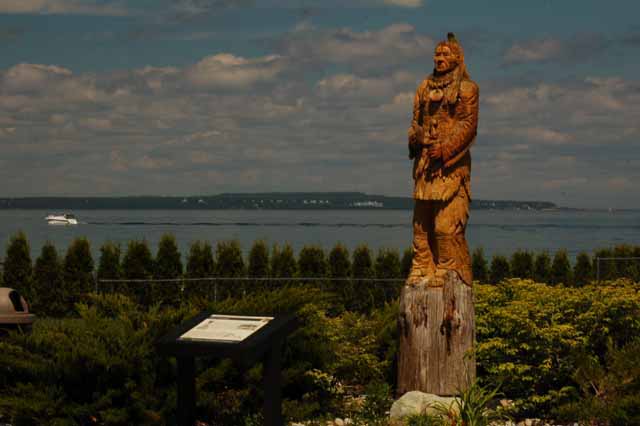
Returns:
point(437, 334)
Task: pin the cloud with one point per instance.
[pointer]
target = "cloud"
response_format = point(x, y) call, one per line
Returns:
point(183, 10)
point(578, 48)
point(233, 123)
point(404, 3)
point(534, 51)
point(225, 70)
point(352, 88)
point(28, 77)
point(63, 7)
point(363, 51)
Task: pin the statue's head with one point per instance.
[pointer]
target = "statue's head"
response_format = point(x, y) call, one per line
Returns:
point(448, 55)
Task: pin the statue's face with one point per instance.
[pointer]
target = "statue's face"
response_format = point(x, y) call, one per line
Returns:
point(444, 60)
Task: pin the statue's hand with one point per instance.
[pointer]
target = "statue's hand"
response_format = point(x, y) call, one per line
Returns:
point(435, 151)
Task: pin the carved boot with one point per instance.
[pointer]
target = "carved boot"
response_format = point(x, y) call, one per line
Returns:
point(422, 265)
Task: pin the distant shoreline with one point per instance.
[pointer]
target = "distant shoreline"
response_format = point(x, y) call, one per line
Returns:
point(255, 201)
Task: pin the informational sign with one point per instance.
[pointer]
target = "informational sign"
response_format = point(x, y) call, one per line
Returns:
point(226, 328)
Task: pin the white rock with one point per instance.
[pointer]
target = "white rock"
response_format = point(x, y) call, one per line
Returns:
point(416, 402)
point(338, 422)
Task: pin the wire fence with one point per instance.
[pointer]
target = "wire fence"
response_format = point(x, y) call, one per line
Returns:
point(353, 292)
point(616, 267)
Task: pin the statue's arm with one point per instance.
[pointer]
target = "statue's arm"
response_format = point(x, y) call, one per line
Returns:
point(416, 134)
point(466, 125)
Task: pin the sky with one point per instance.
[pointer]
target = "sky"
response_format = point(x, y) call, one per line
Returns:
point(186, 97)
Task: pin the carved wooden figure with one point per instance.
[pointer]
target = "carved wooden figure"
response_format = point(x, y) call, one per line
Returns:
point(437, 320)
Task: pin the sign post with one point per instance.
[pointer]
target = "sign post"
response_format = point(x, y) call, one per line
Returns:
point(244, 339)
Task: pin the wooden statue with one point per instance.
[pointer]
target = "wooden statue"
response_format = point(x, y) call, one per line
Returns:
point(437, 324)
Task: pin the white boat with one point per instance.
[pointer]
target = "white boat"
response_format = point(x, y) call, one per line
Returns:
point(61, 219)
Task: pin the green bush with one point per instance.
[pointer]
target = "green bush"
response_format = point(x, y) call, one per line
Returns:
point(610, 387)
point(340, 268)
point(48, 284)
point(561, 272)
point(542, 268)
point(529, 340)
point(18, 269)
point(387, 267)
point(109, 267)
point(200, 264)
point(167, 265)
point(522, 264)
point(230, 264)
point(78, 272)
point(583, 270)
point(100, 368)
point(137, 264)
point(499, 269)
point(283, 263)
point(362, 295)
point(312, 264)
point(604, 265)
point(479, 266)
point(259, 260)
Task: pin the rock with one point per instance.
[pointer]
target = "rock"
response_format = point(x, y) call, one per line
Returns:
point(416, 402)
point(506, 403)
point(338, 422)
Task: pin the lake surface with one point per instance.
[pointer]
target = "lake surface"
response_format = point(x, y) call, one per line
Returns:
point(497, 231)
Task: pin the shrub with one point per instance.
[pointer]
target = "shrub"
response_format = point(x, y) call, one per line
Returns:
point(522, 264)
point(542, 268)
point(499, 269)
point(109, 266)
point(605, 267)
point(229, 264)
point(167, 265)
point(18, 268)
point(561, 269)
point(137, 264)
point(200, 264)
point(78, 272)
point(312, 263)
point(48, 283)
point(529, 341)
point(100, 368)
point(283, 263)
point(479, 266)
point(583, 270)
point(362, 297)
point(340, 268)
point(387, 267)
point(610, 388)
point(259, 260)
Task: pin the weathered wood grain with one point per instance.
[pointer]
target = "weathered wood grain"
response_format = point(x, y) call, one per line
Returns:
point(437, 334)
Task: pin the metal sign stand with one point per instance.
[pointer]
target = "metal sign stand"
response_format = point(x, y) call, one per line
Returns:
point(265, 343)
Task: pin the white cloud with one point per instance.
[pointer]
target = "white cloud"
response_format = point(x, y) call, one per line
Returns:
point(541, 134)
point(404, 3)
point(225, 70)
point(28, 77)
point(63, 7)
point(534, 51)
point(364, 50)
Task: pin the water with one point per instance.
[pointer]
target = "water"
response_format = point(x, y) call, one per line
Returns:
point(498, 232)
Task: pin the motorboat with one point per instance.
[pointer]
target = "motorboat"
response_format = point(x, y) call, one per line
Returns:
point(61, 219)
